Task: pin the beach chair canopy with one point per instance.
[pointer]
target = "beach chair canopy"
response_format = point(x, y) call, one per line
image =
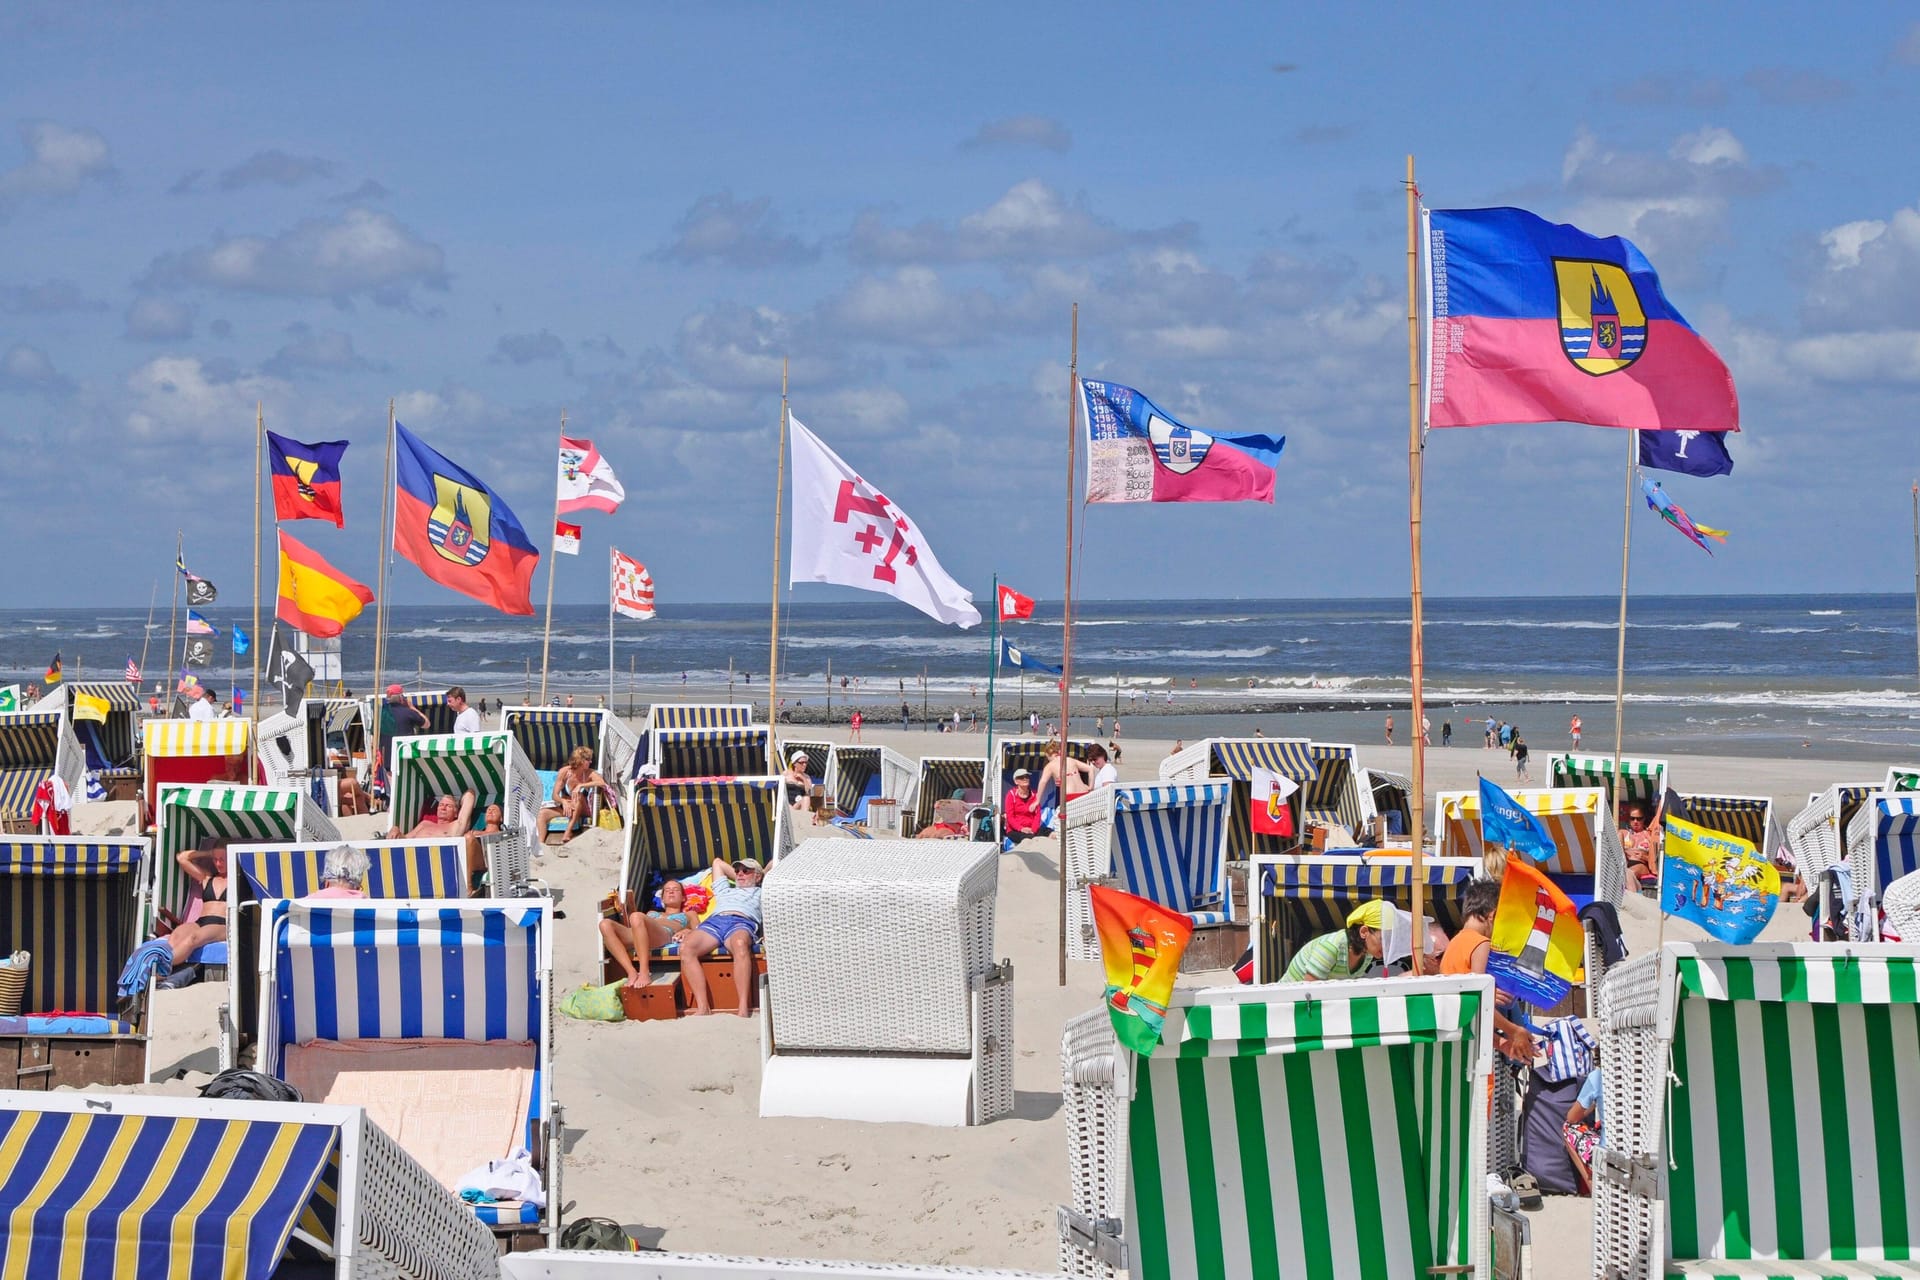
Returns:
point(189, 751)
point(1333, 795)
point(1579, 818)
point(819, 758)
point(113, 746)
point(1748, 818)
point(548, 735)
point(1816, 836)
point(677, 829)
point(73, 902)
point(1024, 753)
point(488, 764)
point(862, 774)
point(1329, 1130)
point(682, 715)
point(1236, 759)
point(1298, 898)
point(1170, 846)
point(741, 751)
point(941, 778)
point(1883, 844)
point(1643, 780)
point(35, 745)
point(1383, 792)
point(188, 815)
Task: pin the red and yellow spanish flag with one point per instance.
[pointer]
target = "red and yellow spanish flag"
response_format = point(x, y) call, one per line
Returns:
point(315, 597)
point(1141, 943)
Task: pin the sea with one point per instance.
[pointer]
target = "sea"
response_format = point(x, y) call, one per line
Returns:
point(1831, 677)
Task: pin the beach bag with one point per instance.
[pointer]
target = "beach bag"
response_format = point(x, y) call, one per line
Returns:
point(602, 1234)
point(609, 819)
point(13, 982)
point(594, 1004)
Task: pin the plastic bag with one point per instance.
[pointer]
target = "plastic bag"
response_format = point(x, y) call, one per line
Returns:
point(609, 819)
point(598, 1233)
point(594, 1004)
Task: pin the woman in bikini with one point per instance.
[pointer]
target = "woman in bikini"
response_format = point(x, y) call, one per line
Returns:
point(573, 785)
point(206, 867)
point(658, 927)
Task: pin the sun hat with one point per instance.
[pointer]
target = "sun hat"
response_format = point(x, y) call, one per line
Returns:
point(753, 863)
point(1370, 914)
point(1021, 773)
point(799, 756)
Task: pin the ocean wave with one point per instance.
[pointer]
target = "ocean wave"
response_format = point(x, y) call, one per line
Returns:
point(1090, 622)
point(1172, 655)
point(1793, 631)
point(1825, 613)
point(1212, 622)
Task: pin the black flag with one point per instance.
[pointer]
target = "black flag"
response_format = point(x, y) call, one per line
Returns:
point(199, 651)
point(199, 590)
point(290, 671)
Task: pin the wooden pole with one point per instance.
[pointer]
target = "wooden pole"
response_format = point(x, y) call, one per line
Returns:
point(1417, 655)
point(779, 499)
point(1620, 649)
point(173, 620)
point(387, 511)
point(1066, 620)
point(610, 659)
point(553, 563)
point(253, 638)
point(147, 635)
point(993, 670)
point(829, 720)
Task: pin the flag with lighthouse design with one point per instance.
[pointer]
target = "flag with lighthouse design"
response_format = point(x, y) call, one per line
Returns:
point(1539, 949)
point(1141, 943)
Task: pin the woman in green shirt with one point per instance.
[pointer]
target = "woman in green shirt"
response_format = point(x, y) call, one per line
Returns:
point(1353, 952)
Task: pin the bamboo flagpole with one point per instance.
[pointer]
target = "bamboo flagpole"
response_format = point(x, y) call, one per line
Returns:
point(779, 497)
point(993, 669)
point(173, 621)
point(253, 637)
point(1417, 653)
point(553, 565)
point(146, 640)
point(1620, 652)
point(1066, 620)
point(387, 511)
point(1916, 568)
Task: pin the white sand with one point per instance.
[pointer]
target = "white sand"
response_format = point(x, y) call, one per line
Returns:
point(661, 1118)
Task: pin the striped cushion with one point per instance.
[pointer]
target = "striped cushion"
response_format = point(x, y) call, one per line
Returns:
point(506, 1215)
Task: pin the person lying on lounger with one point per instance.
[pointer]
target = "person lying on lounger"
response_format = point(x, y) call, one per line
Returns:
point(658, 928)
point(206, 867)
point(734, 923)
point(573, 788)
point(451, 817)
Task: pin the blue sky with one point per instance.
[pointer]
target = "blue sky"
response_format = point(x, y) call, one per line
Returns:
point(489, 213)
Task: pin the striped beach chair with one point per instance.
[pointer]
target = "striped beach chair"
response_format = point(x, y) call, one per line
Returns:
point(1883, 845)
point(111, 750)
point(1235, 759)
point(1816, 840)
point(193, 751)
point(1294, 898)
point(1328, 1129)
point(861, 774)
point(1166, 842)
point(1023, 753)
point(548, 735)
point(942, 778)
point(1762, 1113)
point(1388, 795)
point(1332, 799)
point(738, 751)
point(1749, 818)
point(492, 766)
point(688, 715)
point(384, 982)
point(1643, 780)
point(34, 746)
point(73, 903)
point(138, 1186)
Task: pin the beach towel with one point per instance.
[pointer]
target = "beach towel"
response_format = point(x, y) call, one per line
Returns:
point(151, 960)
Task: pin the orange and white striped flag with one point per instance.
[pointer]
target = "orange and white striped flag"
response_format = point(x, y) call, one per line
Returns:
point(632, 588)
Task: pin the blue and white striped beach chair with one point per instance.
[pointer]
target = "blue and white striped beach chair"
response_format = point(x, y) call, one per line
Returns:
point(1883, 844)
point(377, 975)
point(1235, 759)
point(1166, 842)
point(95, 1186)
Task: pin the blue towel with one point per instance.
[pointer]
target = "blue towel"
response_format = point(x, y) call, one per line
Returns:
point(151, 960)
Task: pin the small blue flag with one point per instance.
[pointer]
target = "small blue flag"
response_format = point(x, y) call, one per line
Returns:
point(1504, 822)
point(241, 642)
point(1692, 453)
point(1012, 656)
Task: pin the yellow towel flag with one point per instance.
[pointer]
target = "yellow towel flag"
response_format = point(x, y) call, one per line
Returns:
point(88, 707)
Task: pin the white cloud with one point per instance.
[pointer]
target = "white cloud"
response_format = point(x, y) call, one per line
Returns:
point(152, 319)
point(1031, 222)
point(1043, 132)
point(1709, 146)
point(60, 160)
point(27, 369)
point(1674, 202)
point(317, 350)
point(361, 252)
point(736, 233)
point(181, 399)
point(912, 306)
point(1871, 274)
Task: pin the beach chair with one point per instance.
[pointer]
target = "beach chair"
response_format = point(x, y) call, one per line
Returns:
point(492, 766)
point(1901, 902)
point(1748, 818)
point(1816, 838)
point(111, 751)
point(34, 746)
point(1235, 759)
point(120, 1185)
point(1883, 845)
point(870, 785)
point(580, 1264)
point(1166, 842)
point(739, 751)
point(687, 715)
point(437, 1017)
point(1762, 1113)
point(1386, 795)
point(1332, 1129)
point(950, 778)
point(882, 1000)
point(261, 872)
point(547, 736)
point(72, 903)
point(1332, 798)
point(193, 751)
point(295, 747)
point(1294, 898)
point(1643, 780)
point(1029, 754)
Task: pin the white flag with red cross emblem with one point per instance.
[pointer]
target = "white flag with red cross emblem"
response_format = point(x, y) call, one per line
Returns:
point(847, 532)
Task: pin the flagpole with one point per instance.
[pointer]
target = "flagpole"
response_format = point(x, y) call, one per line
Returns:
point(1620, 652)
point(147, 635)
point(1066, 622)
point(387, 505)
point(1417, 654)
point(1916, 566)
point(553, 565)
point(779, 495)
point(173, 620)
point(611, 553)
point(993, 669)
point(253, 637)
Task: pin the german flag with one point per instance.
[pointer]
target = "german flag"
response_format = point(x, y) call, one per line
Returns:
point(315, 597)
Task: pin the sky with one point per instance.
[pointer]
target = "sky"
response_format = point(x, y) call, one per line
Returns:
point(492, 213)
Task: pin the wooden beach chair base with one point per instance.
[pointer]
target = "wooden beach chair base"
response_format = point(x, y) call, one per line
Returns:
point(55, 1062)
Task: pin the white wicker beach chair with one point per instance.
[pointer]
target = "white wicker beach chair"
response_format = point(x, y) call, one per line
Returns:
point(1234, 759)
point(98, 1185)
point(1883, 845)
point(569, 1264)
point(1902, 906)
point(1762, 1110)
point(389, 980)
point(1165, 842)
point(497, 771)
point(882, 999)
point(1816, 837)
point(1297, 1130)
point(293, 747)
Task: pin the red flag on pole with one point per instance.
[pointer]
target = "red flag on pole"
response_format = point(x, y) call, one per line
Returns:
point(1014, 605)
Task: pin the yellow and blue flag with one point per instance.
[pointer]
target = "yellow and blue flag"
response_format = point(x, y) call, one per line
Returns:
point(1719, 882)
point(1539, 948)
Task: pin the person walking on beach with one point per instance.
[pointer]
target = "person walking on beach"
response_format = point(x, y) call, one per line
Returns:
point(1389, 730)
point(1492, 733)
point(465, 718)
point(906, 717)
point(1099, 726)
point(853, 723)
point(1446, 733)
point(1574, 729)
point(1520, 759)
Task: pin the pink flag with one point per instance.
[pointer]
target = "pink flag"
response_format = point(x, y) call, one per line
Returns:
point(587, 482)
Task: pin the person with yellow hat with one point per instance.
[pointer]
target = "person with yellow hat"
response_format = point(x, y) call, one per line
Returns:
point(1353, 952)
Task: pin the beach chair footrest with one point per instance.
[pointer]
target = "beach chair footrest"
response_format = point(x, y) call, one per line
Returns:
point(1635, 1175)
point(1100, 1238)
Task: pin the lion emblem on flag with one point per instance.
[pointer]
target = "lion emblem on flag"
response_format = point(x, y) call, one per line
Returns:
point(1180, 449)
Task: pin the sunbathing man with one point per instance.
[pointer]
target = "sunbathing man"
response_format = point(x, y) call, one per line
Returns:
point(573, 787)
point(734, 923)
point(658, 928)
point(492, 824)
point(451, 817)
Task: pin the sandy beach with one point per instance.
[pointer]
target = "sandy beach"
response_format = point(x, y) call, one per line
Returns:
point(661, 1121)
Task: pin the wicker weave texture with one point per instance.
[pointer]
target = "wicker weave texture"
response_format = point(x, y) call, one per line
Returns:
point(1096, 1126)
point(410, 1223)
point(993, 1055)
point(1902, 904)
point(1089, 820)
point(875, 945)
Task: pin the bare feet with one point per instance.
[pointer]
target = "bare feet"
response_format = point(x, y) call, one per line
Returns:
point(698, 1013)
point(745, 1013)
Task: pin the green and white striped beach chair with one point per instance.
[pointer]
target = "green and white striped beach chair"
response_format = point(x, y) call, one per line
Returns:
point(187, 815)
point(1762, 1110)
point(1302, 1130)
point(496, 770)
point(1643, 780)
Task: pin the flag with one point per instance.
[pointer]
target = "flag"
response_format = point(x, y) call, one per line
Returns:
point(1505, 821)
point(1014, 605)
point(632, 588)
point(1674, 514)
point(1692, 453)
point(1719, 882)
point(458, 531)
point(847, 532)
point(314, 596)
point(9, 697)
point(241, 642)
point(88, 707)
point(306, 479)
point(199, 650)
point(566, 538)
point(199, 590)
point(53, 671)
point(199, 626)
point(1138, 453)
point(587, 482)
point(291, 672)
point(1140, 946)
point(188, 682)
point(1534, 321)
point(1539, 948)
point(1271, 814)
point(133, 672)
point(1011, 655)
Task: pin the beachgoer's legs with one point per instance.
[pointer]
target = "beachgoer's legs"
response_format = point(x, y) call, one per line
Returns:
point(617, 938)
point(189, 938)
point(697, 945)
point(740, 947)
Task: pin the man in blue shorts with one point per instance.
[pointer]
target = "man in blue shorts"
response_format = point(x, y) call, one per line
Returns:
point(733, 923)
